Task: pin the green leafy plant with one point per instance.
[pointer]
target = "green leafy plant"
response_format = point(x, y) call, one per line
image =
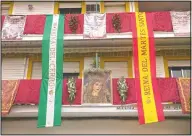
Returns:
point(122, 89)
point(71, 84)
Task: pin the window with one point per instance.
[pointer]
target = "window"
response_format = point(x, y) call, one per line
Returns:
point(114, 7)
point(120, 66)
point(92, 7)
point(180, 72)
point(67, 75)
point(70, 8)
point(6, 8)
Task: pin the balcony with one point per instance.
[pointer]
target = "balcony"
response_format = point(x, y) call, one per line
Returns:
point(27, 97)
point(163, 33)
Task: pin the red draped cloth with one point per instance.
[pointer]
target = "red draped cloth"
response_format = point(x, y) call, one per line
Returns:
point(35, 24)
point(80, 18)
point(162, 21)
point(125, 22)
point(28, 92)
point(77, 100)
point(184, 93)
point(131, 92)
point(2, 21)
point(9, 90)
point(168, 90)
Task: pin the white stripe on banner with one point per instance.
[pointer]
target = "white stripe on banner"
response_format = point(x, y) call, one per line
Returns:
point(52, 72)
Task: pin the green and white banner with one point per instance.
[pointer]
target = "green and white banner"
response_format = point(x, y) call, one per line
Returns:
point(50, 102)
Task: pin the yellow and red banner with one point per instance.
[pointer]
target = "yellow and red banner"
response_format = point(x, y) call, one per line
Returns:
point(149, 104)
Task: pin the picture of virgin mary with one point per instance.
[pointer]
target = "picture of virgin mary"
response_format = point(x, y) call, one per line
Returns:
point(97, 87)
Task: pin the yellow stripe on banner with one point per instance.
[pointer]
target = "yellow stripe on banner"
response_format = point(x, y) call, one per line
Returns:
point(149, 107)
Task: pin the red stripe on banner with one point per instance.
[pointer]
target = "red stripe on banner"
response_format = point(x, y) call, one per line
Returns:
point(159, 107)
point(80, 24)
point(136, 67)
point(35, 24)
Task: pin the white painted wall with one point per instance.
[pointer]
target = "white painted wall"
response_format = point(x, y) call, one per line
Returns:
point(21, 8)
point(13, 68)
point(98, 126)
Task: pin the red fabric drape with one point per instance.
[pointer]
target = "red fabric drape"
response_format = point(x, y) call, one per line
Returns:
point(125, 22)
point(2, 21)
point(168, 90)
point(35, 24)
point(28, 92)
point(131, 92)
point(162, 21)
point(77, 100)
point(9, 91)
point(80, 23)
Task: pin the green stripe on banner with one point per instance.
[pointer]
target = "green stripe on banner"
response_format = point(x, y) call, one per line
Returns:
point(50, 103)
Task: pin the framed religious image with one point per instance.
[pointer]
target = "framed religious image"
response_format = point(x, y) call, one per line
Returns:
point(97, 87)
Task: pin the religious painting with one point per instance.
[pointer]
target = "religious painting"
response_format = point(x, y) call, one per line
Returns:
point(97, 87)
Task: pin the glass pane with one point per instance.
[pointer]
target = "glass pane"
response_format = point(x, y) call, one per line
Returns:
point(176, 73)
point(186, 73)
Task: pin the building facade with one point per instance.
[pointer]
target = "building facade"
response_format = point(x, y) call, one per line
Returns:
point(22, 59)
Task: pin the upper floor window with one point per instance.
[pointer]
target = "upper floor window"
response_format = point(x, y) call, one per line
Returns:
point(5, 8)
point(183, 72)
point(70, 8)
point(92, 7)
point(114, 7)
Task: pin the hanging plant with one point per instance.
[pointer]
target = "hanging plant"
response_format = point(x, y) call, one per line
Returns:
point(122, 89)
point(73, 23)
point(116, 22)
point(71, 84)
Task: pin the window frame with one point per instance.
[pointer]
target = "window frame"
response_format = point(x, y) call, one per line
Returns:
point(37, 59)
point(172, 58)
point(10, 9)
point(118, 59)
point(181, 68)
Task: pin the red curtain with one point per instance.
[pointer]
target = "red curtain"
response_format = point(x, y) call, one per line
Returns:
point(131, 92)
point(162, 21)
point(80, 23)
point(168, 90)
point(2, 21)
point(35, 24)
point(125, 22)
point(77, 100)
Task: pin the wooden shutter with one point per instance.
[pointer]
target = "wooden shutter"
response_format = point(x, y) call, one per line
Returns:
point(68, 67)
point(13, 68)
point(118, 69)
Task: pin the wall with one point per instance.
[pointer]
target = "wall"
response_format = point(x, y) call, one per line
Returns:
point(98, 126)
point(21, 8)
